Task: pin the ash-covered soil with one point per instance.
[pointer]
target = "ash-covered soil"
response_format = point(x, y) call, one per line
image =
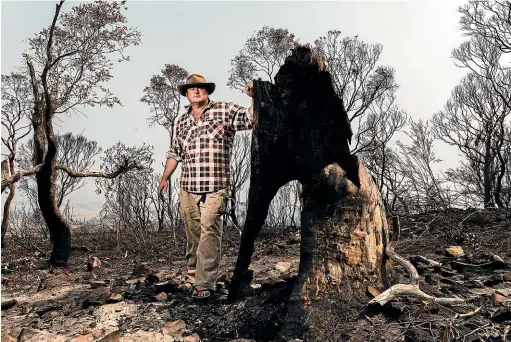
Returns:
point(134, 294)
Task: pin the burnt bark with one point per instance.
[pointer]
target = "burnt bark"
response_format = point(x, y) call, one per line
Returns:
point(45, 151)
point(8, 200)
point(302, 133)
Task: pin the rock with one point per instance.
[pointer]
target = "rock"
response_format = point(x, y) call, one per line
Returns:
point(454, 251)
point(171, 329)
point(151, 279)
point(34, 335)
point(7, 304)
point(144, 336)
point(94, 263)
point(168, 287)
point(103, 295)
point(115, 298)
point(502, 316)
point(114, 336)
point(499, 298)
point(7, 338)
point(495, 279)
point(283, 266)
point(161, 297)
point(275, 250)
point(83, 338)
point(255, 286)
point(373, 291)
point(97, 283)
point(294, 239)
point(192, 338)
point(47, 306)
point(141, 269)
point(60, 280)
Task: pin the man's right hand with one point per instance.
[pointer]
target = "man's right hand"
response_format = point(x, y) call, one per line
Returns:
point(162, 187)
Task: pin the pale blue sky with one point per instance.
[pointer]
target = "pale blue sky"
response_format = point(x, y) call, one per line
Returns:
point(202, 37)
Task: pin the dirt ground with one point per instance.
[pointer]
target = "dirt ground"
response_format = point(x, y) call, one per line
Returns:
point(133, 296)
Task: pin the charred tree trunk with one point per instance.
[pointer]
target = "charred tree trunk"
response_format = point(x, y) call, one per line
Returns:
point(8, 200)
point(45, 152)
point(302, 133)
point(487, 177)
point(342, 252)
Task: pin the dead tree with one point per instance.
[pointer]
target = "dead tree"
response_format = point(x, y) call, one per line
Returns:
point(302, 133)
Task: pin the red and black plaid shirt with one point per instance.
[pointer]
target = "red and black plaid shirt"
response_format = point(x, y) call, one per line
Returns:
point(204, 147)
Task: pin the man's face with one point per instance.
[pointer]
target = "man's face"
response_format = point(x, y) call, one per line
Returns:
point(196, 95)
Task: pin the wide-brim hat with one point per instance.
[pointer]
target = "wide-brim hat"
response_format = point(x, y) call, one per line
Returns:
point(196, 80)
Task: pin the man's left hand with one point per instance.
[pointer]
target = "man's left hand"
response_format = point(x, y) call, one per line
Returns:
point(249, 89)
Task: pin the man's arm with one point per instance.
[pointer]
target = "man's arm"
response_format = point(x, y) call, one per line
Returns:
point(173, 158)
point(244, 118)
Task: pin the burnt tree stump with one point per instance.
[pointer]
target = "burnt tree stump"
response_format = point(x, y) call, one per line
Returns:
point(303, 133)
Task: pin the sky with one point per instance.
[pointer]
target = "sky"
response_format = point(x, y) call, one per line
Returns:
point(203, 37)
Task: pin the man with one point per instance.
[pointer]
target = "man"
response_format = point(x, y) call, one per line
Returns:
point(202, 142)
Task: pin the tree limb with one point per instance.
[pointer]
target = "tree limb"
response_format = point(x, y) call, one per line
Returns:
point(18, 175)
point(413, 290)
point(79, 174)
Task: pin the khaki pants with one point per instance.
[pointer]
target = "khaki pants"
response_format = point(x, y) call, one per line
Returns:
point(203, 222)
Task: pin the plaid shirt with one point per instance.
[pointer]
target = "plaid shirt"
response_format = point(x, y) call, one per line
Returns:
point(204, 147)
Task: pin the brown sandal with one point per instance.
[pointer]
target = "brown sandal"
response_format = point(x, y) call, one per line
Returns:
point(201, 294)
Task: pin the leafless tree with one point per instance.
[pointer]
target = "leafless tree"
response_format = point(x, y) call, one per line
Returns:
point(69, 64)
point(490, 20)
point(425, 188)
point(164, 100)
point(261, 56)
point(16, 108)
point(74, 151)
point(473, 121)
point(367, 89)
point(240, 171)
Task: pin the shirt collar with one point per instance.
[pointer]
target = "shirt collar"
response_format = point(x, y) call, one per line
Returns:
point(188, 107)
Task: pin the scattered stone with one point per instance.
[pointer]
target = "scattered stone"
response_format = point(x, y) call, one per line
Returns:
point(255, 286)
point(283, 266)
point(495, 279)
point(7, 338)
point(114, 336)
point(115, 298)
point(83, 338)
point(151, 279)
point(275, 250)
point(455, 251)
point(35, 335)
point(94, 263)
point(161, 297)
point(499, 298)
point(167, 287)
point(294, 239)
point(502, 316)
point(141, 269)
point(192, 338)
point(171, 329)
point(373, 291)
point(7, 304)
point(46, 307)
point(144, 336)
point(97, 283)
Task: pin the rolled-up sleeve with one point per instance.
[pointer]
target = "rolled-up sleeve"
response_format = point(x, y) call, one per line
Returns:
point(175, 150)
point(241, 117)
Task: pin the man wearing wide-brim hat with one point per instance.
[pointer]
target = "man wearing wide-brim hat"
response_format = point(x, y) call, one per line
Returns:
point(202, 142)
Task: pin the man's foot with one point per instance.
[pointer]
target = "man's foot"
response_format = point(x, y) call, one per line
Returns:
point(201, 293)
